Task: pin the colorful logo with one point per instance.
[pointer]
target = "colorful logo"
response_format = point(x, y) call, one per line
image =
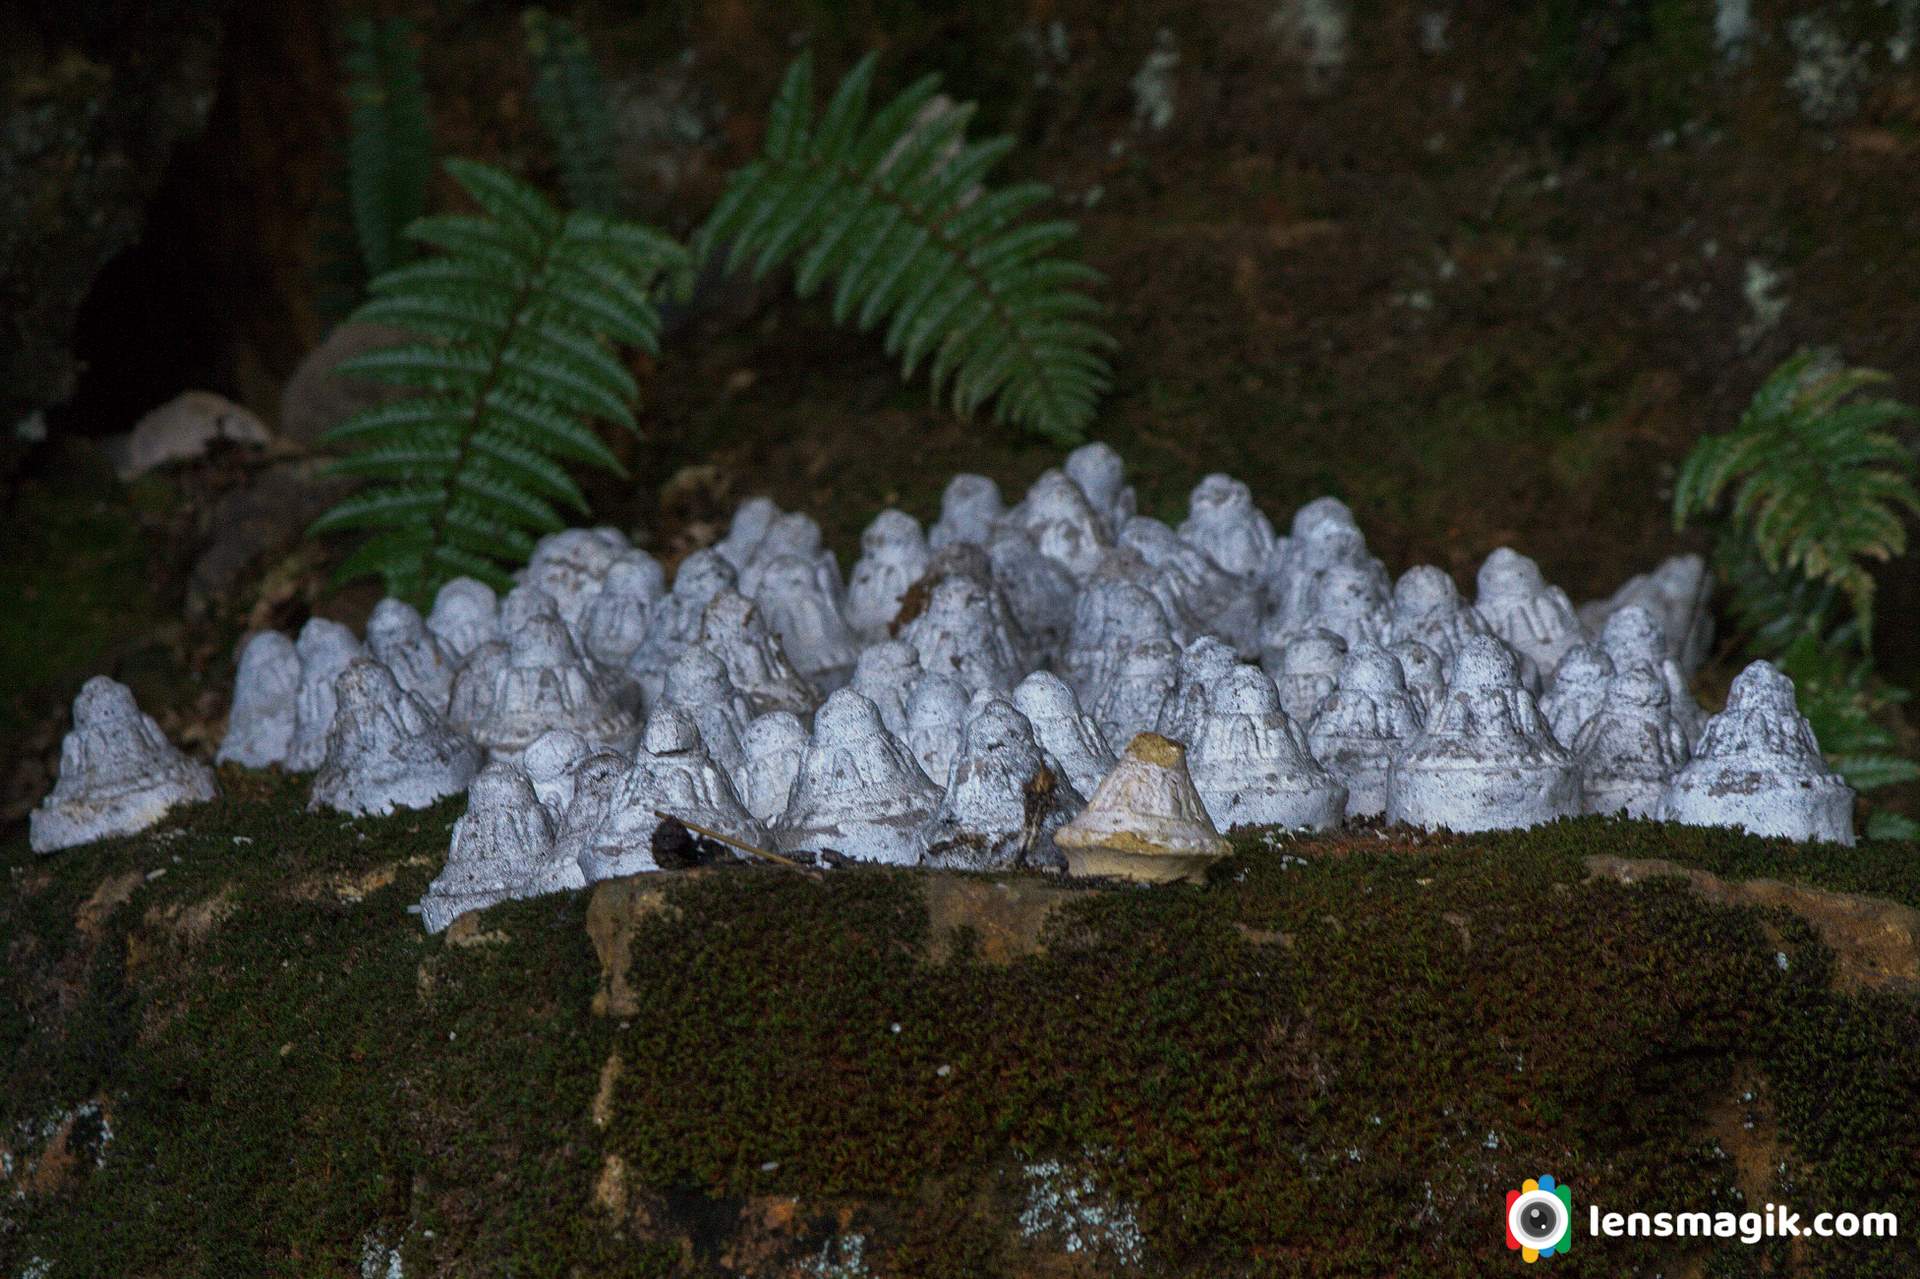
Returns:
point(1539, 1219)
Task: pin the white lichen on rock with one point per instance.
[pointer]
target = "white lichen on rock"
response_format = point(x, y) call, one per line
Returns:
point(1069, 1206)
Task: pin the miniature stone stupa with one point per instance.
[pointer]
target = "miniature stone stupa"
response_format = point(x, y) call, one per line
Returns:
point(969, 508)
point(1627, 753)
point(1145, 822)
point(893, 555)
point(1425, 674)
point(1486, 760)
point(265, 696)
point(1576, 690)
point(118, 773)
point(672, 773)
point(676, 618)
point(1309, 669)
point(550, 763)
point(751, 520)
point(771, 750)
point(1223, 521)
point(325, 649)
point(1070, 740)
point(387, 748)
point(1003, 804)
point(1063, 524)
point(733, 630)
point(1535, 618)
point(1039, 591)
point(936, 721)
point(1248, 765)
point(1759, 767)
point(799, 606)
point(960, 635)
point(1101, 474)
point(1202, 664)
point(500, 844)
point(616, 622)
point(1427, 607)
point(886, 675)
point(465, 615)
point(858, 791)
point(1677, 595)
point(1362, 725)
point(543, 683)
point(398, 639)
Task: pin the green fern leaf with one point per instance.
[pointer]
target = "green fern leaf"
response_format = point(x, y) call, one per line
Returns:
point(890, 206)
point(1815, 486)
point(390, 146)
point(515, 316)
point(1883, 824)
point(574, 107)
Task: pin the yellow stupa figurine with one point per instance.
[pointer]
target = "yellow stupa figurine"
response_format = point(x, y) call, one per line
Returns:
point(1145, 822)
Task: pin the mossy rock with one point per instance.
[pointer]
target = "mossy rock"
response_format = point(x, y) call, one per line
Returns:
point(232, 1051)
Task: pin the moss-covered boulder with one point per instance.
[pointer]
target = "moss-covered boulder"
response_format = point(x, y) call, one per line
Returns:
point(231, 1050)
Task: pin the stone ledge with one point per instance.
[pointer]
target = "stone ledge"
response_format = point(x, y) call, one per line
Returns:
point(1876, 943)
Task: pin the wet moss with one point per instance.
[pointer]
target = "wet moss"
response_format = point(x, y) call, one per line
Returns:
point(1330, 1059)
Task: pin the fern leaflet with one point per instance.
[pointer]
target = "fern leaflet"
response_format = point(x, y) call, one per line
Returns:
point(573, 105)
point(390, 147)
point(515, 318)
point(1815, 479)
point(890, 205)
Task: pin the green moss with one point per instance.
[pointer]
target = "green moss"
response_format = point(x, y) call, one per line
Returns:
point(1423, 1027)
point(74, 583)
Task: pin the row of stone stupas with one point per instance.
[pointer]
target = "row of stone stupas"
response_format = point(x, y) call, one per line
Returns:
point(961, 695)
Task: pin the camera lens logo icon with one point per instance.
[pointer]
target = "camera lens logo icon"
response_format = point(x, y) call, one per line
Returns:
point(1539, 1219)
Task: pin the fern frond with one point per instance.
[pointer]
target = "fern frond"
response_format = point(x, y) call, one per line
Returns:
point(513, 365)
point(573, 105)
point(889, 205)
point(390, 145)
point(1815, 481)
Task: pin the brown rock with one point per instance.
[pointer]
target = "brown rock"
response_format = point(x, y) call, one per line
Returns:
point(616, 906)
point(1875, 943)
point(317, 398)
point(260, 521)
point(111, 894)
point(1007, 915)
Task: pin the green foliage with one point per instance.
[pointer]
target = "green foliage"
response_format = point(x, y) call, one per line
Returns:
point(515, 318)
point(1815, 479)
point(390, 147)
point(891, 205)
point(573, 105)
point(516, 315)
point(1818, 483)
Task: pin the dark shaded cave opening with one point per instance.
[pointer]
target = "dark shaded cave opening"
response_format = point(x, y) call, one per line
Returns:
point(217, 294)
